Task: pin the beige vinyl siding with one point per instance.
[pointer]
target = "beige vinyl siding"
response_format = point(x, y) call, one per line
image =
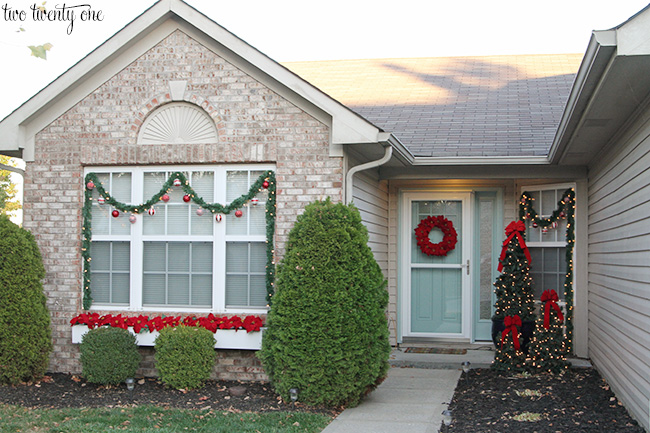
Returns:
point(619, 269)
point(370, 196)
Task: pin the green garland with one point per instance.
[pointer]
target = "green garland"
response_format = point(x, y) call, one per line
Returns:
point(567, 205)
point(268, 176)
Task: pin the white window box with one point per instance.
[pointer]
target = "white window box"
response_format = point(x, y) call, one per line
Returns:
point(224, 338)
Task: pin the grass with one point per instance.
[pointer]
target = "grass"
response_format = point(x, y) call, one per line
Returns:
point(154, 419)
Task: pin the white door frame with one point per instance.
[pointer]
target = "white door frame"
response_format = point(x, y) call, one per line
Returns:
point(407, 197)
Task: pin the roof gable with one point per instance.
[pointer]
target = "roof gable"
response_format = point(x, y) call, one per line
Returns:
point(159, 21)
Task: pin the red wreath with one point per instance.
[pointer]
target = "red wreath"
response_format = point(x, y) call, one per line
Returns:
point(449, 239)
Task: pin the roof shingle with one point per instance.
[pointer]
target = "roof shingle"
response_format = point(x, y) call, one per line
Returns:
point(455, 106)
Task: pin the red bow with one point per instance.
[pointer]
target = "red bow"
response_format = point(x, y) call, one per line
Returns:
point(515, 228)
point(511, 323)
point(550, 298)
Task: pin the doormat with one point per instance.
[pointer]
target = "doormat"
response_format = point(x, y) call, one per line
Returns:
point(437, 350)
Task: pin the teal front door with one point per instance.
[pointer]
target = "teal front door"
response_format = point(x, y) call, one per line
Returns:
point(437, 300)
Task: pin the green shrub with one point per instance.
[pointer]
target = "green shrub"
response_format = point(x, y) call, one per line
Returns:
point(25, 337)
point(109, 355)
point(327, 333)
point(185, 356)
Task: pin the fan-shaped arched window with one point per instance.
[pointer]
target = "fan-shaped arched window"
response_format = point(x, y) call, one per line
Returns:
point(178, 123)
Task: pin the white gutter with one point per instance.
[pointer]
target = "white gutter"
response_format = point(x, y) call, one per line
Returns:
point(388, 152)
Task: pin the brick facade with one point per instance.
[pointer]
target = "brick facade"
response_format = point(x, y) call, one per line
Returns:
point(254, 124)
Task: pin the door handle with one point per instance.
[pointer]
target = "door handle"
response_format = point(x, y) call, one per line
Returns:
point(466, 266)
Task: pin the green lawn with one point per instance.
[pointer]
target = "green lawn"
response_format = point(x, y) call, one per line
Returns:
point(154, 419)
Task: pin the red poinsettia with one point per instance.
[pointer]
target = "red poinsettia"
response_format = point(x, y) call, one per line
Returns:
point(211, 322)
point(449, 239)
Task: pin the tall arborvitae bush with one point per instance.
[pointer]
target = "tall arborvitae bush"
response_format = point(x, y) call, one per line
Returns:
point(327, 332)
point(25, 337)
point(515, 302)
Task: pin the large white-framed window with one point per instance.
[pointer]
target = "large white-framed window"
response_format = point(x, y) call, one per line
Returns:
point(548, 246)
point(180, 258)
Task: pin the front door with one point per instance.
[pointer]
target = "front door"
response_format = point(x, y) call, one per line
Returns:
point(436, 302)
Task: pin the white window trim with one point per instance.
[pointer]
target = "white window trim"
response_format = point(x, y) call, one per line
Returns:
point(549, 187)
point(218, 239)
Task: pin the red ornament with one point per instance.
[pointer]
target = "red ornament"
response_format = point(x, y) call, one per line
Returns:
point(534, 225)
point(199, 211)
point(186, 198)
point(151, 211)
point(132, 219)
point(265, 184)
point(177, 182)
point(255, 201)
point(239, 213)
point(165, 198)
point(101, 200)
point(218, 217)
point(448, 243)
point(115, 213)
point(90, 185)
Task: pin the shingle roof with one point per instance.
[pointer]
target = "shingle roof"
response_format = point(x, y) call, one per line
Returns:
point(455, 106)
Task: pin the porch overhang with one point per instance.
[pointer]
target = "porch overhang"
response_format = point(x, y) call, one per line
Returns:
point(611, 87)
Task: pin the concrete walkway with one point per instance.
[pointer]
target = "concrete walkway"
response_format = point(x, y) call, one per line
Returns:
point(409, 400)
point(418, 388)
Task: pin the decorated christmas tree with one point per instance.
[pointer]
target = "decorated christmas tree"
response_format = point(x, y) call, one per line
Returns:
point(514, 308)
point(548, 347)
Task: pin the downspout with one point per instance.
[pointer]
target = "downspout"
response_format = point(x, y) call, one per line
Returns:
point(388, 152)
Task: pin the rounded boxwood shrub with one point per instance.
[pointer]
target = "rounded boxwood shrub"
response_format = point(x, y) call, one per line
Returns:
point(327, 333)
point(25, 336)
point(109, 355)
point(185, 356)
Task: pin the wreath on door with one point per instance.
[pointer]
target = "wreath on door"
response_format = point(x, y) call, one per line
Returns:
point(449, 239)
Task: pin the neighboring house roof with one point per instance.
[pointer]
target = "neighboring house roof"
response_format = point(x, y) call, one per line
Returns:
point(455, 106)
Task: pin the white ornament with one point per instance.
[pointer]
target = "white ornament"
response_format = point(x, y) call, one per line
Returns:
point(199, 211)
point(218, 217)
point(177, 182)
point(255, 201)
point(132, 219)
point(101, 200)
point(151, 211)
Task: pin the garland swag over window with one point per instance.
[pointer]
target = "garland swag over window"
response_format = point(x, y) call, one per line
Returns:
point(178, 180)
point(565, 209)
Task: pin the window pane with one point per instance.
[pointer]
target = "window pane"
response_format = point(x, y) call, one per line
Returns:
point(237, 184)
point(154, 289)
point(152, 184)
point(154, 257)
point(155, 224)
point(121, 187)
point(237, 226)
point(549, 203)
point(203, 184)
point(177, 219)
point(201, 225)
point(101, 288)
point(548, 270)
point(121, 256)
point(202, 290)
point(202, 257)
point(178, 259)
point(121, 286)
point(258, 291)
point(100, 218)
point(257, 216)
point(258, 257)
point(236, 290)
point(236, 257)
point(178, 289)
point(100, 256)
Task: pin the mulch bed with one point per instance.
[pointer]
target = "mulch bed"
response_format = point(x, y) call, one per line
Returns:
point(577, 401)
point(63, 390)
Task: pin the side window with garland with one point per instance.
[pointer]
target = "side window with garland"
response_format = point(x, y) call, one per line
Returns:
point(547, 245)
point(179, 249)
